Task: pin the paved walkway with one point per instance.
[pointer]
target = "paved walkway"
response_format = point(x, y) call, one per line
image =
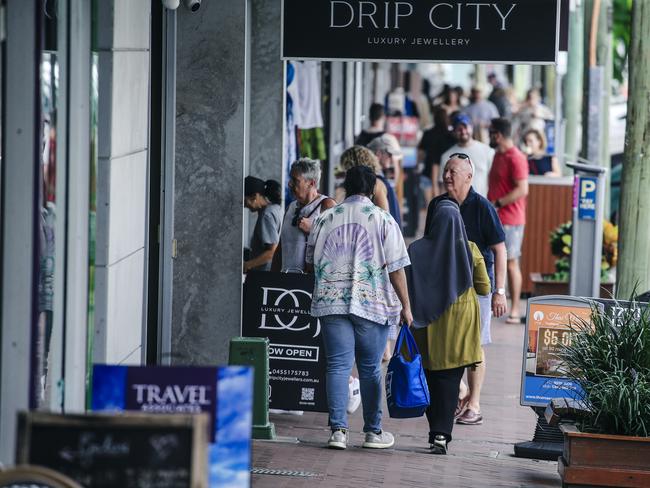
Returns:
point(479, 456)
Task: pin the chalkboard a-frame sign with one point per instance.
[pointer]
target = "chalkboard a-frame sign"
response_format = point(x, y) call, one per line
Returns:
point(131, 450)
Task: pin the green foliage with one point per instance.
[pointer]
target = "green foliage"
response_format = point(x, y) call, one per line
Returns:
point(621, 30)
point(610, 357)
point(561, 239)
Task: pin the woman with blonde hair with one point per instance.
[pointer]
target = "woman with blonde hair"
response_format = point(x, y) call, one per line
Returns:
point(383, 194)
point(539, 163)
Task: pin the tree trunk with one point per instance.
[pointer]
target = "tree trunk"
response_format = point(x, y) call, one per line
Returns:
point(634, 236)
point(573, 84)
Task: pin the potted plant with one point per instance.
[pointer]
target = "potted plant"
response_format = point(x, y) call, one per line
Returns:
point(560, 240)
point(609, 356)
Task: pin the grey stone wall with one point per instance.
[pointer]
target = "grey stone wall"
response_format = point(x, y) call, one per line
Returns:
point(266, 87)
point(209, 181)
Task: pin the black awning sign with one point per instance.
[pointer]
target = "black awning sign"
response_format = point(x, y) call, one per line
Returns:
point(523, 31)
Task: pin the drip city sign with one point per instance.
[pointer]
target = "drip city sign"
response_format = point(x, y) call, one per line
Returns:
point(519, 31)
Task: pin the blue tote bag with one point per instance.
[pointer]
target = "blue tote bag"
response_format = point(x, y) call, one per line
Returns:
point(407, 393)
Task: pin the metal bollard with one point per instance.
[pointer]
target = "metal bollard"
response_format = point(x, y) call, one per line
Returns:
point(254, 351)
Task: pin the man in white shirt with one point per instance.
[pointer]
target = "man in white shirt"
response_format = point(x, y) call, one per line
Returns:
point(480, 154)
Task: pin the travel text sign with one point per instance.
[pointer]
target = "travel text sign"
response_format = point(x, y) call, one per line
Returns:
point(524, 31)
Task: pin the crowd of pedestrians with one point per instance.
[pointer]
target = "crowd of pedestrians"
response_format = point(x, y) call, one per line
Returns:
point(446, 286)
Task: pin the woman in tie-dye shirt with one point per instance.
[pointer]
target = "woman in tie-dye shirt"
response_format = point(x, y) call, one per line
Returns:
point(358, 255)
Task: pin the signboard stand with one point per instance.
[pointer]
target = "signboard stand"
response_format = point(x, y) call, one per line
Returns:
point(547, 443)
point(547, 320)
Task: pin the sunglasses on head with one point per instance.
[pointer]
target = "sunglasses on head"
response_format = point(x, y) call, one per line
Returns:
point(463, 156)
point(458, 155)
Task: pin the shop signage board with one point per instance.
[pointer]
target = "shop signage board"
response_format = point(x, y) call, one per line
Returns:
point(278, 306)
point(102, 451)
point(547, 330)
point(224, 394)
point(466, 31)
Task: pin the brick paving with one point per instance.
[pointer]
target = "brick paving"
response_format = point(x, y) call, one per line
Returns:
point(479, 456)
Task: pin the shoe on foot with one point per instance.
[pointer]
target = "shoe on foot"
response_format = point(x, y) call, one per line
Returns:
point(338, 439)
point(439, 445)
point(470, 417)
point(379, 440)
point(461, 407)
point(354, 398)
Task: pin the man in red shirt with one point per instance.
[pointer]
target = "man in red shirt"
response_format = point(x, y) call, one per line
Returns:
point(507, 190)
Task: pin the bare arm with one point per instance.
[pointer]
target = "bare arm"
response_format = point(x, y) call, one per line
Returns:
point(499, 303)
point(276, 264)
point(519, 191)
point(435, 174)
point(263, 258)
point(381, 195)
point(398, 280)
point(555, 168)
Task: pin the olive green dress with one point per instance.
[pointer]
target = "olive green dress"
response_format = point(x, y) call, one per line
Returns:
point(454, 339)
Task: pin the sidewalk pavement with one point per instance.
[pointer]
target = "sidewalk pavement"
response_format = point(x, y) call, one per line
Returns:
point(479, 455)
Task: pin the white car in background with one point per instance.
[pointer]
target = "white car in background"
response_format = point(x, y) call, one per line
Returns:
point(616, 129)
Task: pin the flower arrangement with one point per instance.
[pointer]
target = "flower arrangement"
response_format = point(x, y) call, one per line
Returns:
point(560, 240)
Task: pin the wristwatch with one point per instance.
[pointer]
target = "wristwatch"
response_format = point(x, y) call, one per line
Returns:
point(501, 291)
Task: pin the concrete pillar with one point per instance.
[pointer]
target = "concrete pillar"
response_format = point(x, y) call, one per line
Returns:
point(20, 161)
point(123, 46)
point(266, 92)
point(210, 141)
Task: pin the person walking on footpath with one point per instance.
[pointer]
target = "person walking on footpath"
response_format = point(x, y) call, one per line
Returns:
point(289, 256)
point(384, 197)
point(377, 125)
point(446, 273)
point(264, 199)
point(481, 154)
point(508, 188)
point(484, 229)
point(358, 254)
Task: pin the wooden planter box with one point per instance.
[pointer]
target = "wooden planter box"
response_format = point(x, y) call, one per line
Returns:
point(546, 287)
point(604, 460)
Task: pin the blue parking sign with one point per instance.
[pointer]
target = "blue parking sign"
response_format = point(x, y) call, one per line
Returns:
point(587, 190)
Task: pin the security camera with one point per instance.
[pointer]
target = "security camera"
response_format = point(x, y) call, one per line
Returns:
point(193, 5)
point(171, 4)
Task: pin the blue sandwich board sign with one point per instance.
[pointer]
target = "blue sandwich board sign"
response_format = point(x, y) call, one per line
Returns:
point(225, 393)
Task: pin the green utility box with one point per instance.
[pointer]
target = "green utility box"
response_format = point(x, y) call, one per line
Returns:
point(254, 351)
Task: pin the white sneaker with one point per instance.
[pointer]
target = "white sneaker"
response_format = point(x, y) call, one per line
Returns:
point(338, 439)
point(354, 398)
point(381, 440)
point(286, 412)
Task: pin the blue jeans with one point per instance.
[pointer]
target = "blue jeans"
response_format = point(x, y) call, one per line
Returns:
point(346, 338)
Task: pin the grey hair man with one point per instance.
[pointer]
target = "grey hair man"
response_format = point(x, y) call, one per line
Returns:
point(485, 230)
point(309, 203)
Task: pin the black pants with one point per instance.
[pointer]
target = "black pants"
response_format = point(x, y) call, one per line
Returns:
point(443, 388)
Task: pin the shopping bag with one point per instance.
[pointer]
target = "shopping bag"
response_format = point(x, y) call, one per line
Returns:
point(407, 392)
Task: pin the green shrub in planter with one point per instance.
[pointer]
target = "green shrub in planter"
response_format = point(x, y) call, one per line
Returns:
point(610, 357)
